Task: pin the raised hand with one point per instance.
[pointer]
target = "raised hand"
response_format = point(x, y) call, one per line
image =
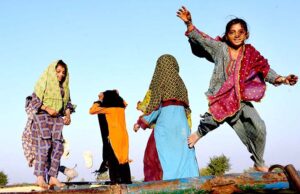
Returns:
point(184, 14)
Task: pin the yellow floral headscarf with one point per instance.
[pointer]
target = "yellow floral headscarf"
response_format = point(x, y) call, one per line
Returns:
point(48, 91)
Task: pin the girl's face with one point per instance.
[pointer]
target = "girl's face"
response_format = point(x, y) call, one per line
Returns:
point(237, 35)
point(60, 73)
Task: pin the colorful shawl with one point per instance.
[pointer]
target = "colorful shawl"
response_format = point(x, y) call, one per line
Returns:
point(48, 91)
point(245, 83)
point(166, 84)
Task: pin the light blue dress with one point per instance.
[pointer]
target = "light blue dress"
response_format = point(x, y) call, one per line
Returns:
point(171, 132)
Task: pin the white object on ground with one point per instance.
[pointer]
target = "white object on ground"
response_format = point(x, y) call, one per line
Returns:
point(88, 159)
point(71, 173)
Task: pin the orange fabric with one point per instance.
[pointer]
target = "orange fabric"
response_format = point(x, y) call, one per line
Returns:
point(118, 135)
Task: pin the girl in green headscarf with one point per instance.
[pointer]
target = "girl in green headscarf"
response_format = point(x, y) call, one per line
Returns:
point(166, 108)
point(49, 109)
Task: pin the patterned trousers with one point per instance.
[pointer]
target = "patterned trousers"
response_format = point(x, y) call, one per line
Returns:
point(48, 142)
point(247, 124)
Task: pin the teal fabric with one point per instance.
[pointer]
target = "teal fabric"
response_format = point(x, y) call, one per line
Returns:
point(171, 132)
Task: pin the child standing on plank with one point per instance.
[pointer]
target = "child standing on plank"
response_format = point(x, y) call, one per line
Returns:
point(238, 78)
point(110, 108)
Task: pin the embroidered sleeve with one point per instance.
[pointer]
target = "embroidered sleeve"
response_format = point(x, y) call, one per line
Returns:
point(199, 51)
point(210, 45)
point(71, 106)
point(207, 124)
point(36, 103)
point(145, 121)
point(271, 76)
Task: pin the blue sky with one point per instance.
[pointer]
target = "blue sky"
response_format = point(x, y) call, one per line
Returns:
point(114, 45)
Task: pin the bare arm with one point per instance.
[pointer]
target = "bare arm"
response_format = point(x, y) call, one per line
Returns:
point(49, 110)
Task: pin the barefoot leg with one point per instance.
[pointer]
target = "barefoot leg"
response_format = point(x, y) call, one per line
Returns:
point(55, 182)
point(41, 182)
point(261, 168)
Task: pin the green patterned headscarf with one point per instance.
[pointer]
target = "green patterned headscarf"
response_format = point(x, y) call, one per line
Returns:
point(166, 84)
point(48, 90)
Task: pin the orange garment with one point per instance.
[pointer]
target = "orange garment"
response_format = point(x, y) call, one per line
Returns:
point(118, 136)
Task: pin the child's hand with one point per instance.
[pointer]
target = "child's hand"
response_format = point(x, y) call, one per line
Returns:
point(192, 139)
point(288, 80)
point(136, 127)
point(291, 79)
point(51, 111)
point(67, 117)
point(67, 120)
point(184, 14)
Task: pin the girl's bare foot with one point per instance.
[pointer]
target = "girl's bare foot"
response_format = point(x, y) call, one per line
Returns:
point(41, 182)
point(192, 139)
point(261, 168)
point(55, 182)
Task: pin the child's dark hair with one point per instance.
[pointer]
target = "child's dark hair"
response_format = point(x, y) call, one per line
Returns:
point(61, 63)
point(112, 99)
point(231, 23)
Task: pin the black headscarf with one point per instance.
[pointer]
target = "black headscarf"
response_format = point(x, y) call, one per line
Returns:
point(112, 99)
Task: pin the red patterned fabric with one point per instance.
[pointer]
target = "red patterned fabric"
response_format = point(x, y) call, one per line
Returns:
point(152, 167)
point(254, 69)
point(246, 83)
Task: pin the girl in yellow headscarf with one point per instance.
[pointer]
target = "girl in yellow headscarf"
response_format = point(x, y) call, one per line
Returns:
point(49, 109)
